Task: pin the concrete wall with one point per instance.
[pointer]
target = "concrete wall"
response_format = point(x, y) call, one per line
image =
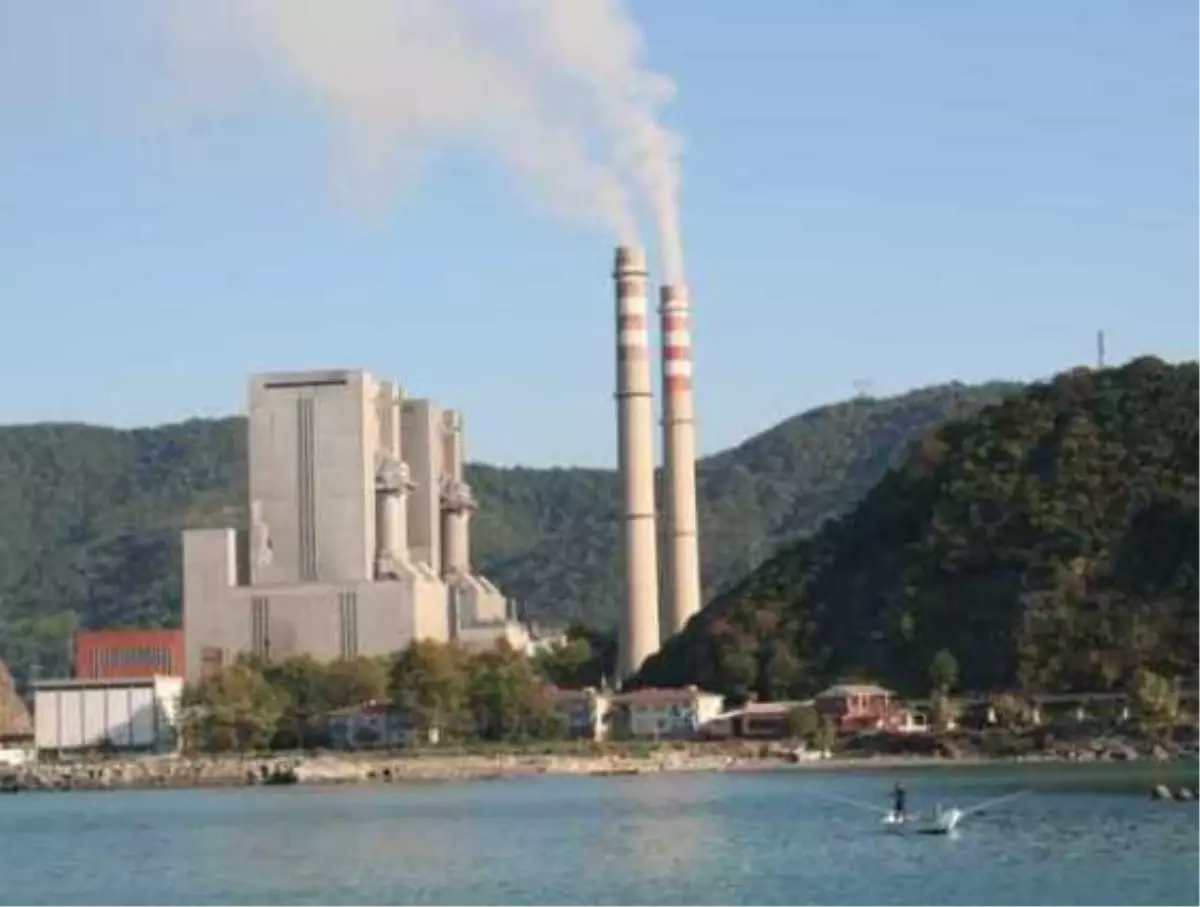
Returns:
point(313, 437)
point(209, 578)
point(330, 621)
point(421, 440)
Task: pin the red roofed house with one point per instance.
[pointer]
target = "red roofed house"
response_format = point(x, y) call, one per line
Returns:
point(860, 707)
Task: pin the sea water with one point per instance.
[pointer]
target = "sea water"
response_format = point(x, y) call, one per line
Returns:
point(1081, 836)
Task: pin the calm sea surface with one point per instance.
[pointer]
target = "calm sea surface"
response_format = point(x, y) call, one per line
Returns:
point(1082, 836)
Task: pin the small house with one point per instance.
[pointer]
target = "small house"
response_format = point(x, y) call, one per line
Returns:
point(584, 713)
point(666, 711)
point(858, 706)
point(374, 725)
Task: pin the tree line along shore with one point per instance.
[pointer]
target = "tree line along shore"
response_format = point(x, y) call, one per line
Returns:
point(267, 722)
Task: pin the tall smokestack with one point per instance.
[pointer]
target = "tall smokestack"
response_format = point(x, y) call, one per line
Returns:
point(635, 455)
point(682, 554)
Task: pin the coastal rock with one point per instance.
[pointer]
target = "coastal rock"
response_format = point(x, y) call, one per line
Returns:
point(1184, 793)
point(1161, 792)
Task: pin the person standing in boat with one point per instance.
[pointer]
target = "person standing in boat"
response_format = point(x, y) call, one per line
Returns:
point(899, 801)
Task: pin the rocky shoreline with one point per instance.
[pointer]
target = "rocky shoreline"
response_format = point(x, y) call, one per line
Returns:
point(363, 768)
point(181, 772)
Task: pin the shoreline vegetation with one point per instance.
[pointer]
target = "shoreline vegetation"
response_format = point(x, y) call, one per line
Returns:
point(478, 764)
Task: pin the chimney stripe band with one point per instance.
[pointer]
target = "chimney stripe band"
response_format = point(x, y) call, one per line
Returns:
point(677, 368)
point(677, 338)
point(635, 337)
point(632, 305)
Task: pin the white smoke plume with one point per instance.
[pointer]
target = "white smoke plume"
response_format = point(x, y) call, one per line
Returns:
point(554, 89)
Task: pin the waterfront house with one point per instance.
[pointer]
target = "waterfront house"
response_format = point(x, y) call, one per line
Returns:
point(754, 720)
point(374, 725)
point(584, 713)
point(665, 711)
point(859, 706)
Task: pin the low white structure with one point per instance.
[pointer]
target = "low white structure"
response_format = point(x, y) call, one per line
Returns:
point(666, 711)
point(14, 755)
point(134, 713)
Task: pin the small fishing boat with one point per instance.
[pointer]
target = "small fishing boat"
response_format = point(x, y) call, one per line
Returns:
point(943, 821)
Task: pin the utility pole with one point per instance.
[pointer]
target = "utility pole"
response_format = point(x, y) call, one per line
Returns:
point(1100, 348)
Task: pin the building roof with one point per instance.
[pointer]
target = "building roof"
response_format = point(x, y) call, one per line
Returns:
point(565, 695)
point(854, 689)
point(370, 707)
point(98, 683)
point(129, 634)
point(655, 695)
point(761, 709)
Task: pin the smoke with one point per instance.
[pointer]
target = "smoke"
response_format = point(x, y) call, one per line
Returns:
point(553, 89)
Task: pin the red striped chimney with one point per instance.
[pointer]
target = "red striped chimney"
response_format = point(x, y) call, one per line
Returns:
point(639, 634)
point(682, 554)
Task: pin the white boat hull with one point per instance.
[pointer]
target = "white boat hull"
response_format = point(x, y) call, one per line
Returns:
point(941, 823)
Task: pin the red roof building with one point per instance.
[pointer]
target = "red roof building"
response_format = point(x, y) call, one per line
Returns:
point(110, 654)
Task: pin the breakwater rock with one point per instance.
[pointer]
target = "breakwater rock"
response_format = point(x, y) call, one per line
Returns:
point(204, 771)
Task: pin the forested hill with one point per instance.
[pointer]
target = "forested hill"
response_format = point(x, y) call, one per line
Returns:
point(1049, 542)
point(90, 517)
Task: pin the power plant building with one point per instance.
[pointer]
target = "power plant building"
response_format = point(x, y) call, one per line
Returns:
point(359, 532)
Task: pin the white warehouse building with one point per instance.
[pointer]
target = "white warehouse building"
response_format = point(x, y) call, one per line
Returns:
point(139, 713)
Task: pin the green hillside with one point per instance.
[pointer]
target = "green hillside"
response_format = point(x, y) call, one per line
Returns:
point(1049, 542)
point(90, 517)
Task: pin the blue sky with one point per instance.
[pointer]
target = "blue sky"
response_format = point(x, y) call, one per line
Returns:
point(905, 193)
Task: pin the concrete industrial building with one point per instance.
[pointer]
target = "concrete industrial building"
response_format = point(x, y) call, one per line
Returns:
point(359, 536)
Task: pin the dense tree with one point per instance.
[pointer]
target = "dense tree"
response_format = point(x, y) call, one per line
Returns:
point(565, 664)
point(1047, 542)
point(1154, 698)
point(495, 694)
point(238, 709)
point(430, 684)
point(90, 517)
point(351, 681)
point(943, 711)
point(943, 672)
point(803, 721)
point(506, 697)
point(301, 685)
